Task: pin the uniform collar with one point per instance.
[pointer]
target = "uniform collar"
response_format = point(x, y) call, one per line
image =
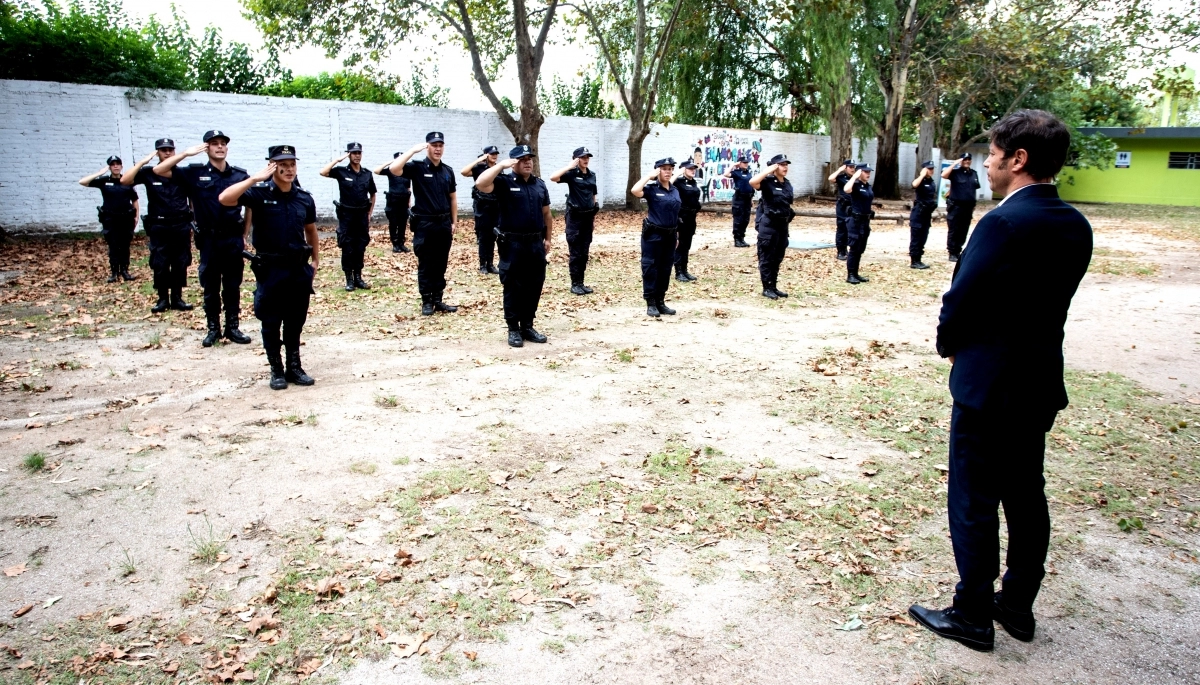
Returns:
point(1014, 193)
point(532, 179)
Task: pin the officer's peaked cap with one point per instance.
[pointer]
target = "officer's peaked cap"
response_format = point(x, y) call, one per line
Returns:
point(665, 161)
point(277, 153)
point(435, 137)
point(966, 155)
point(689, 164)
point(863, 167)
point(927, 165)
point(581, 152)
point(164, 143)
point(491, 150)
point(215, 133)
point(353, 147)
point(521, 151)
point(848, 162)
point(780, 159)
point(113, 160)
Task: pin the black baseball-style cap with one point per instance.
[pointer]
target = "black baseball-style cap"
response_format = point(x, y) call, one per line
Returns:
point(435, 137)
point(927, 165)
point(581, 152)
point(520, 151)
point(863, 167)
point(353, 147)
point(665, 161)
point(113, 160)
point(848, 162)
point(215, 133)
point(491, 150)
point(965, 155)
point(277, 153)
point(688, 164)
point(164, 144)
point(742, 158)
point(780, 159)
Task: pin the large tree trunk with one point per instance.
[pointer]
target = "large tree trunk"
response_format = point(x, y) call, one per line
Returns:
point(841, 126)
point(887, 157)
point(928, 129)
point(637, 135)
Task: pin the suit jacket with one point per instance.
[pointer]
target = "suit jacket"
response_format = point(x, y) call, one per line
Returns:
point(1003, 317)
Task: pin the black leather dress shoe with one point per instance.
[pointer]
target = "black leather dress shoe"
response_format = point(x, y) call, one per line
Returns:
point(779, 292)
point(855, 279)
point(953, 258)
point(663, 308)
point(577, 289)
point(952, 625)
point(161, 306)
point(588, 290)
point(1019, 624)
point(738, 242)
point(515, 340)
point(843, 256)
point(770, 294)
point(918, 265)
point(652, 309)
point(530, 333)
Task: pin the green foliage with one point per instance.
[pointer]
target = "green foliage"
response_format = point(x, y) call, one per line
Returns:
point(362, 87)
point(582, 99)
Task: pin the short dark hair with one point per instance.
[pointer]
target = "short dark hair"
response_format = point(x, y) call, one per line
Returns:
point(1040, 134)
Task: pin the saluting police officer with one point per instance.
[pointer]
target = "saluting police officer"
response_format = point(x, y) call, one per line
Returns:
point(220, 231)
point(168, 225)
point(356, 186)
point(743, 195)
point(285, 238)
point(484, 205)
point(658, 234)
point(524, 232)
point(434, 213)
point(841, 206)
point(960, 203)
point(774, 215)
point(118, 215)
point(582, 205)
point(921, 216)
point(858, 226)
point(689, 197)
point(399, 196)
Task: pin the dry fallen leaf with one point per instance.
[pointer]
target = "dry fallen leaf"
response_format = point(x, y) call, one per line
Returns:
point(649, 509)
point(15, 570)
point(330, 587)
point(188, 640)
point(260, 622)
point(499, 477)
point(22, 611)
point(405, 646)
point(118, 623)
point(471, 656)
point(171, 668)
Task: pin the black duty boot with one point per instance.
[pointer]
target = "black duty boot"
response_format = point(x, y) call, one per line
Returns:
point(442, 306)
point(232, 334)
point(778, 291)
point(770, 294)
point(483, 269)
point(918, 264)
point(492, 269)
point(1019, 624)
point(588, 290)
point(126, 275)
point(688, 275)
point(577, 289)
point(652, 309)
point(278, 376)
point(682, 277)
point(842, 255)
point(738, 242)
point(953, 258)
point(214, 334)
point(294, 373)
point(531, 334)
point(953, 625)
point(112, 278)
point(514, 334)
point(855, 279)
point(397, 249)
point(359, 282)
point(163, 304)
point(426, 305)
point(177, 302)
point(663, 308)
point(349, 281)
point(404, 248)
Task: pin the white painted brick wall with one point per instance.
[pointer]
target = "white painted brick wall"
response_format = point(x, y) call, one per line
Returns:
point(51, 134)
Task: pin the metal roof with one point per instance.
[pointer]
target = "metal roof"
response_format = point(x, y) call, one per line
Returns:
point(1151, 132)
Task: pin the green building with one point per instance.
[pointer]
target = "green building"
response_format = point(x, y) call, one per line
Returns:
point(1153, 166)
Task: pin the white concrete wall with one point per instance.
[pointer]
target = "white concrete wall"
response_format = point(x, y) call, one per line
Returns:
point(51, 134)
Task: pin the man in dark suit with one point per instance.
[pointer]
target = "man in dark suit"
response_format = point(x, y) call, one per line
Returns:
point(1001, 326)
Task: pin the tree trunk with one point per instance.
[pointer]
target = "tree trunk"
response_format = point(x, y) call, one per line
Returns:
point(928, 128)
point(637, 135)
point(887, 157)
point(841, 126)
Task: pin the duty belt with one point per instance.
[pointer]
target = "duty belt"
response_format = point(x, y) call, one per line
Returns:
point(170, 220)
point(742, 193)
point(582, 210)
point(351, 208)
point(398, 195)
point(431, 217)
point(655, 228)
point(519, 237)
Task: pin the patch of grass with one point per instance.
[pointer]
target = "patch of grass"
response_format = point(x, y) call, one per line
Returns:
point(206, 546)
point(366, 468)
point(555, 646)
point(311, 419)
point(34, 462)
point(82, 331)
point(154, 341)
point(624, 355)
point(387, 401)
point(402, 461)
point(69, 365)
point(126, 564)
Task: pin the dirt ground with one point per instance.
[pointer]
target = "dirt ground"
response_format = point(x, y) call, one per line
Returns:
point(747, 492)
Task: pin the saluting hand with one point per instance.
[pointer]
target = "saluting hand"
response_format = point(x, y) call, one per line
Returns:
point(509, 163)
point(418, 148)
point(267, 172)
point(196, 149)
point(149, 157)
point(771, 168)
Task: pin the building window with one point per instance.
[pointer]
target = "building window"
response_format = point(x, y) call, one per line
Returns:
point(1184, 160)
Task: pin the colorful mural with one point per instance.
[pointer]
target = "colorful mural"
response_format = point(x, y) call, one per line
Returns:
point(715, 153)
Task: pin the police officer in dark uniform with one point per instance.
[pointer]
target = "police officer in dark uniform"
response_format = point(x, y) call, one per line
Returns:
point(524, 235)
point(168, 225)
point(399, 196)
point(658, 234)
point(118, 215)
point(582, 205)
point(919, 219)
point(960, 203)
point(689, 196)
point(743, 195)
point(220, 231)
point(356, 186)
point(774, 215)
point(285, 237)
point(841, 206)
point(858, 226)
point(484, 205)
point(434, 213)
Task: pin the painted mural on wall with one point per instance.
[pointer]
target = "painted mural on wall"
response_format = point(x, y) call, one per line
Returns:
point(715, 153)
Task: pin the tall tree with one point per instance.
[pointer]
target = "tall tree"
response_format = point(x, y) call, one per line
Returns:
point(634, 40)
point(490, 31)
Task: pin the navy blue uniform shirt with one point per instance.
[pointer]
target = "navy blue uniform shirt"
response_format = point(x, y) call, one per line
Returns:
point(581, 188)
point(927, 191)
point(397, 184)
point(164, 196)
point(861, 198)
point(279, 218)
point(431, 185)
point(963, 184)
point(841, 181)
point(485, 198)
point(664, 204)
point(356, 188)
point(203, 185)
point(116, 197)
point(521, 203)
point(741, 181)
point(689, 193)
point(776, 198)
